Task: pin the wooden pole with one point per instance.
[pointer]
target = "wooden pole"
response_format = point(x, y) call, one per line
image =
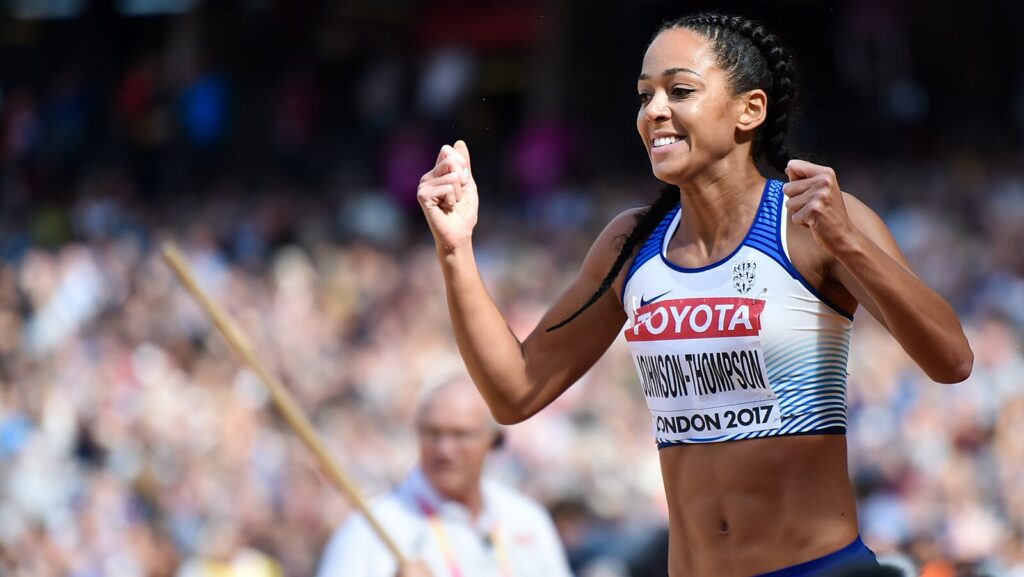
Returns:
point(291, 411)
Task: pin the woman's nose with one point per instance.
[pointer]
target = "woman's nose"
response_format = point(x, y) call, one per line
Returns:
point(657, 108)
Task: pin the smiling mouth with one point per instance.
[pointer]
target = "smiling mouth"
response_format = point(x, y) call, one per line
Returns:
point(665, 144)
point(665, 141)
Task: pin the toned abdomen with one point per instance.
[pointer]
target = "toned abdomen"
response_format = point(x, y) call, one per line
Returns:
point(747, 507)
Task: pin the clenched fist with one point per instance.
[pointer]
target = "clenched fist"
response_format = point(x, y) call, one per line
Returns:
point(447, 194)
point(816, 202)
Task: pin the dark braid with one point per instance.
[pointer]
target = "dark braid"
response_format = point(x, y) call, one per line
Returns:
point(753, 58)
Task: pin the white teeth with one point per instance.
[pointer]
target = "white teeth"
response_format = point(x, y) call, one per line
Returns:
point(665, 140)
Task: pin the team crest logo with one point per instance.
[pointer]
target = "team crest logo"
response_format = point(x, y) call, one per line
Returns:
point(743, 275)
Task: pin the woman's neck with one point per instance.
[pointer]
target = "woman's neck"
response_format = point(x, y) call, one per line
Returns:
point(718, 208)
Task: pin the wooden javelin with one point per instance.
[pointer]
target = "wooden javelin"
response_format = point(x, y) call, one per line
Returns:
point(282, 398)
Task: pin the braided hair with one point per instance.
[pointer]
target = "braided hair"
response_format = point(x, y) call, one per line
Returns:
point(753, 58)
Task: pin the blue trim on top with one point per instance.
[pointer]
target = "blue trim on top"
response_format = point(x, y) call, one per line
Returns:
point(766, 236)
point(649, 250)
point(760, 209)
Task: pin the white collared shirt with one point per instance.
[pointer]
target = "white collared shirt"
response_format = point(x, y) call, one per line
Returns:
point(519, 524)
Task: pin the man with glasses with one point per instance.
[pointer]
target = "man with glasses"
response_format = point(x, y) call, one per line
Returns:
point(443, 515)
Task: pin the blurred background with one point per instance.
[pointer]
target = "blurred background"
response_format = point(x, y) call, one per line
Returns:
point(280, 143)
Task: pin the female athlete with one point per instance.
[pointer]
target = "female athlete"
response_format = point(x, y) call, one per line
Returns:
point(736, 293)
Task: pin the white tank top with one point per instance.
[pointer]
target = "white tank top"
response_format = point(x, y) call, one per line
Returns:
point(740, 349)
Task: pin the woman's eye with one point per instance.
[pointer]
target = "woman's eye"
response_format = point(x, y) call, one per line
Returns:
point(681, 92)
point(644, 97)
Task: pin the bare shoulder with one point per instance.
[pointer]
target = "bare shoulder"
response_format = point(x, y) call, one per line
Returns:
point(609, 243)
point(871, 225)
point(862, 215)
point(622, 224)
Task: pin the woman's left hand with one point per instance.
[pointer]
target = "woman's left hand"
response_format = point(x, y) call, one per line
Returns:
point(815, 201)
point(871, 267)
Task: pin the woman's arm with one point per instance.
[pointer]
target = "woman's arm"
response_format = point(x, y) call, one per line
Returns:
point(515, 378)
point(869, 264)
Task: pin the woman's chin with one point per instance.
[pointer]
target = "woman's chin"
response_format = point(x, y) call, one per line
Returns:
point(669, 175)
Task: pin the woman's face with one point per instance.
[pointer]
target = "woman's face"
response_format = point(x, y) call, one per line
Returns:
point(688, 114)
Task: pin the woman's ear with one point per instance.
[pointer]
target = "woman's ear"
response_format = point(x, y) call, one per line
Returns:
point(753, 109)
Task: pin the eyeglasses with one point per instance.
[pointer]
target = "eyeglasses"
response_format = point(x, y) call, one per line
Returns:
point(458, 436)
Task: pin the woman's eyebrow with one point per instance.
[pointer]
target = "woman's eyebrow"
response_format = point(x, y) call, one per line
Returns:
point(670, 72)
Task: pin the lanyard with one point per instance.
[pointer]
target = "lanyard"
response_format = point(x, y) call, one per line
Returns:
point(496, 539)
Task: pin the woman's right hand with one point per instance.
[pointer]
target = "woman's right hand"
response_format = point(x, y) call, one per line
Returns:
point(448, 196)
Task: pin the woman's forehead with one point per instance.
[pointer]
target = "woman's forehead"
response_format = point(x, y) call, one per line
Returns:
point(678, 48)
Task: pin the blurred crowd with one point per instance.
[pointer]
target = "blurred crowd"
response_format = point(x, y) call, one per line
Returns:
point(132, 443)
